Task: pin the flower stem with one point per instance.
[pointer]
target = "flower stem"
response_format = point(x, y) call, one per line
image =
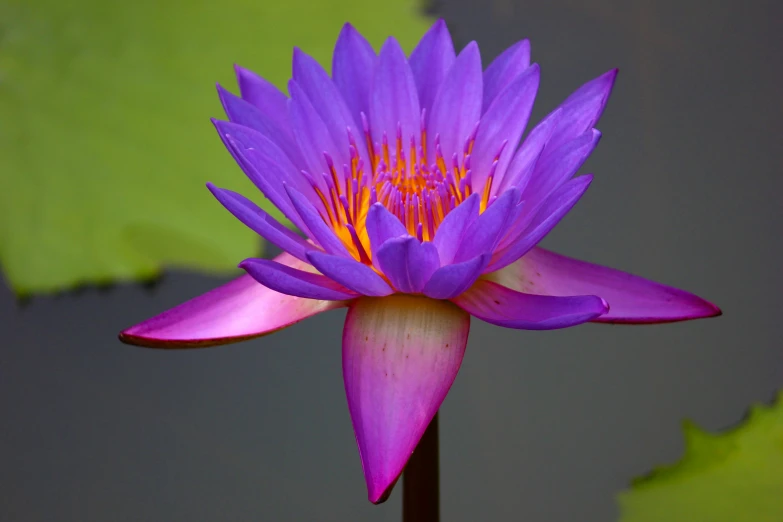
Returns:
point(420, 481)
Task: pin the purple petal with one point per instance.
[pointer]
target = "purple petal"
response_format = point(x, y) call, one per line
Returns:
point(408, 263)
point(451, 280)
point(430, 61)
point(557, 167)
point(261, 223)
point(484, 234)
point(502, 306)
point(451, 231)
point(330, 105)
point(312, 135)
point(393, 97)
point(583, 108)
point(557, 205)
point(401, 355)
point(457, 106)
point(292, 281)
point(505, 121)
point(382, 225)
point(350, 273)
point(521, 167)
point(632, 299)
point(239, 310)
point(352, 66)
point(244, 113)
point(263, 163)
point(503, 69)
point(320, 232)
point(265, 96)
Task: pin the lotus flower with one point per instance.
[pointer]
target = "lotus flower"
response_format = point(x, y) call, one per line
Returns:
point(420, 210)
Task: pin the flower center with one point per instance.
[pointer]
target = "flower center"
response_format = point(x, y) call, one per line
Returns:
point(420, 193)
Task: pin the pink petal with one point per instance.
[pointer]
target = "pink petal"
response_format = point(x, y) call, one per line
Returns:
point(631, 299)
point(239, 310)
point(400, 356)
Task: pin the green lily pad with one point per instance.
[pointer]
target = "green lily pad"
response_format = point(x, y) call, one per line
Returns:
point(736, 476)
point(105, 139)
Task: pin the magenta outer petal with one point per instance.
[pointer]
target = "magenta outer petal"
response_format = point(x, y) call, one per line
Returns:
point(238, 310)
point(430, 61)
point(503, 69)
point(401, 355)
point(352, 65)
point(631, 298)
point(457, 106)
point(505, 121)
point(393, 98)
point(502, 306)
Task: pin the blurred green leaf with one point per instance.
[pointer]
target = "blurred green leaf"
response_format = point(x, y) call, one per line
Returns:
point(736, 476)
point(105, 139)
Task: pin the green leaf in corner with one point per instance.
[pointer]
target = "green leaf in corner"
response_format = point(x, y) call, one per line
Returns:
point(105, 139)
point(736, 476)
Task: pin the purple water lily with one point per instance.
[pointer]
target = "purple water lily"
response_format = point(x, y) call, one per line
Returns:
point(421, 210)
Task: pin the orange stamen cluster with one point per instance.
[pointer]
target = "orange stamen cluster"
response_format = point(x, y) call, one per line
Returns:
point(419, 193)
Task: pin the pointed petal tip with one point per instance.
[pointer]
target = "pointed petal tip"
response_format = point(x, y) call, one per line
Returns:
point(632, 299)
point(391, 43)
point(401, 355)
point(705, 310)
point(608, 78)
point(348, 29)
point(134, 336)
point(380, 493)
